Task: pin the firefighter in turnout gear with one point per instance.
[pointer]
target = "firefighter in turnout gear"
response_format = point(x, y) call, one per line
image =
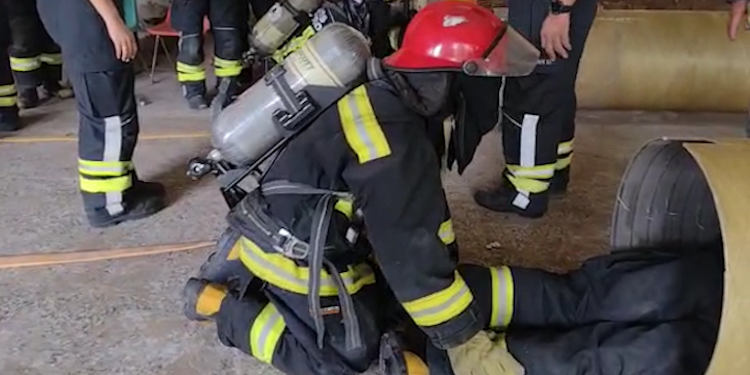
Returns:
point(538, 123)
point(227, 24)
point(8, 106)
point(345, 253)
point(34, 57)
point(98, 47)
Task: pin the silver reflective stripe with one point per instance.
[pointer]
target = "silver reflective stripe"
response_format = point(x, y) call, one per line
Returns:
point(361, 129)
point(500, 295)
point(263, 337)
point(528, 140)
point(112, 147)
point(276, 270)
point(445, 305)
point(522, 199)
point(7, 90)
point(100, 168)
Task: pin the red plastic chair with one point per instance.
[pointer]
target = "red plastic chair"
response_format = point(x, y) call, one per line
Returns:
point(165, 30)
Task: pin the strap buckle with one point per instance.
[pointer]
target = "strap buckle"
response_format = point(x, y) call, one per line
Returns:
point(290, 246)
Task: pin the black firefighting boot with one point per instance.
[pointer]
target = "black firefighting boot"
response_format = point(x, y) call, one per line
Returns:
point(143, 199)
point(9, 120)
point(507, 199)
point(202, 299)
point(224, 266)
point(28, 98)
point(559, 183)
point(52, 88)
point(195, 94)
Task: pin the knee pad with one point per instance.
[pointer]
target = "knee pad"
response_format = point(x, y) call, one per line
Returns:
point(229, 42)
point(191, 49)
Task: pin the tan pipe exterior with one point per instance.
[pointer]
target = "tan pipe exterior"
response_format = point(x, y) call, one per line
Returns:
point(726, 166)
point(664, 60)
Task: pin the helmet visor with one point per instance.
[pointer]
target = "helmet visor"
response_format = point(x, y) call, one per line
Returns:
point(509, 55)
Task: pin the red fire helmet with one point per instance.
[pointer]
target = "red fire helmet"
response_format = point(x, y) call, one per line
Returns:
point(453, 35)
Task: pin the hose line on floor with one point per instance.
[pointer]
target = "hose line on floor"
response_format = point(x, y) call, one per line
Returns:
point(80, 256)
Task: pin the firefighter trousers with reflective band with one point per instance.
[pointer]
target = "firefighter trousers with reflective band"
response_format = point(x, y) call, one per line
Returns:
point(538, 123)
point(34, 56)
point(107, 135)
point(226, 17)
point(8, 107)
point(633, 312)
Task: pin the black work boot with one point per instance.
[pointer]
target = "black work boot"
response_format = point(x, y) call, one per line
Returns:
point(195, 94)
point(9, 120)
point(142, 200)
point(507, 199)
point(55, 89)
point(224, 266)
point(202, 299)
point(28, 98)
point(559, 183)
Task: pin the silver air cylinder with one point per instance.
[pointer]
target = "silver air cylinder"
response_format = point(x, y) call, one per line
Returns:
point(335, 58)
point(278, 24)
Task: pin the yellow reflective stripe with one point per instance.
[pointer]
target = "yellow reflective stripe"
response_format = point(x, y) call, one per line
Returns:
point(361, 127)
point(105, 185)
point(8, 90)
point(294, 44)
point(564, 162)
point(187, 73)
point(234, 253)
point(346, 207)
point(51, 58)
point(445, 232)
point(282, 272)
point(528, 184)
point(565, 147)
point(25, 64)
point(441, 306)
point(227, 68)
point(265, 333)
point(502, 297)
point(538, 171)
point(104, 168)
point(8, 101)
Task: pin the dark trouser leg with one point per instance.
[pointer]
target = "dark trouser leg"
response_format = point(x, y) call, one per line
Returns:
point(25, 49)
point(52, 62)
point(673, 347)
point(8, 107)
point(187, 18)
point(107, 136)
point(227, 25)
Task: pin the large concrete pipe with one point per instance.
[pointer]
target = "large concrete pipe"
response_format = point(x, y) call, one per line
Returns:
point(690, 193)
point(664, 60)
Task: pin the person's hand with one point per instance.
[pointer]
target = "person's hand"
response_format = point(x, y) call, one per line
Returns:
point(736, 18)
point(556, 35)
point(124, 41)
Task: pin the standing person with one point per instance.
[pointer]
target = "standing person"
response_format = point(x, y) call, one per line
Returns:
point(227, 23)
point(34, 57)
point(539, 110)
point(8, 107)
point(98, 47)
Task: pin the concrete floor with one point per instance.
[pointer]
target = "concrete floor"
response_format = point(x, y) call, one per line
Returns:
point(124, 317)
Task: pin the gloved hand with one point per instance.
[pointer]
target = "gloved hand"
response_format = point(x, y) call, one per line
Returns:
point(484, 354)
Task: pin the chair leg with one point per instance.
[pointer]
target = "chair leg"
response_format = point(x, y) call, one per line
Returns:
point(155, 56)
point(166, 52)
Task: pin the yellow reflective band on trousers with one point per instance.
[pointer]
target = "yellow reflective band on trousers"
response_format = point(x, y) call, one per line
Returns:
point(528, 184)
point(282, 272)
point(105, 185)
point(361, 127)
point(51, 58)
point(502, 297)
point(265, 333)
point(188, 73)
point(8, 90)
point(8, 101)
point(227, 68)
point(564, 162)
point(445, 232)
point(296, 43)
point(441, 306)
point(104, 168)
point(25, 64)
point(537, 171)
point(565, 147)
point(346, 207)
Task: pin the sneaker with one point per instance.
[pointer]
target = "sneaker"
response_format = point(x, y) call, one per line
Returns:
point(202, 299)
point(28, 98)
point(140, 201)
point(197, 102)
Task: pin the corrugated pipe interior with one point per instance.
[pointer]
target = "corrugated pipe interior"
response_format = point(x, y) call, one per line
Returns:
point(664, 60)
point(692, 193)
